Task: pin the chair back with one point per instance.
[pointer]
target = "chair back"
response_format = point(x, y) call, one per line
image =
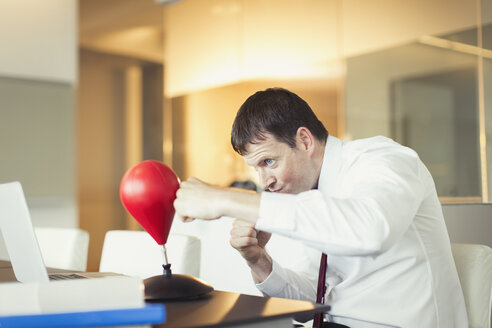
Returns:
point(474, 266)
point(135, 253)
point(63, 248)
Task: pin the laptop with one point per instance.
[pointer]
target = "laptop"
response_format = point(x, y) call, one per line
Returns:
point(21, 243)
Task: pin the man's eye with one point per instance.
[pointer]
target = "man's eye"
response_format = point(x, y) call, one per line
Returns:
point(269, 162)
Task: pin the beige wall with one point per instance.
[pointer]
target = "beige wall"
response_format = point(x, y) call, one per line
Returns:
point(100, 146)
point(38, 72)
point(39, 40)
point(37, 137)
point(233, 41)
point(239, 40)
point(372, 25)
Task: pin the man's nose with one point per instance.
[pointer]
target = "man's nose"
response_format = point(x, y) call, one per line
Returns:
point(267, 181)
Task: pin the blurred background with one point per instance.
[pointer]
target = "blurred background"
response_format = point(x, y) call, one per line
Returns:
point(89, 88)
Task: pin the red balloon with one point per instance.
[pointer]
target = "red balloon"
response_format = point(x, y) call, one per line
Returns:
point(147, 191)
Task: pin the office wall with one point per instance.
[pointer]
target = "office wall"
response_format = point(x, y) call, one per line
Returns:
point(371, 25)
point(239, 41)
point(38, 72)
point(101, 146)
point(37, 147)
point(247, 40)
point(39, 40)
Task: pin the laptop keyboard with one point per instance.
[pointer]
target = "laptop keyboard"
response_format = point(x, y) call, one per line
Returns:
point(68, 276)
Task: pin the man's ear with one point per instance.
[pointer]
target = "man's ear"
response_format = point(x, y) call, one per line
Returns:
point(305, 139)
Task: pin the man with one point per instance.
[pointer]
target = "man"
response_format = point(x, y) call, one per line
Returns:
point(370, 205)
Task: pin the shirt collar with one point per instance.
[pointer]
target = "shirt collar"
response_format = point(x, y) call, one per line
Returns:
point(332, 162)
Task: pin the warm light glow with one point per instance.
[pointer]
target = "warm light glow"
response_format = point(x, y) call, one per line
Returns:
point(272, 306)
point(237, 41)
point(144, 42)
point(291, 68)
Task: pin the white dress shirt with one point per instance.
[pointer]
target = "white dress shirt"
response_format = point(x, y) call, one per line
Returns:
point(377, 216)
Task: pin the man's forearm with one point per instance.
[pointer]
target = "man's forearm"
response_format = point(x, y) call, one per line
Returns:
point(262, 268)
point(241, 204)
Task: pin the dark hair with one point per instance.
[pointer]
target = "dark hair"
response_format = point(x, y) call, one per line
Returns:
point(276, 111)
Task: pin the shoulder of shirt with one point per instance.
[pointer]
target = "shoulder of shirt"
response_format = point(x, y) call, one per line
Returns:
point(376, 145)
point(372, 142)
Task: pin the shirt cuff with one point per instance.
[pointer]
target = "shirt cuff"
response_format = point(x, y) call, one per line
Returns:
point(276, 281)
point(277, 212)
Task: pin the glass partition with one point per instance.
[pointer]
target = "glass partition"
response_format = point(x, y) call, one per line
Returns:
point(435, 96)
point(424, 97)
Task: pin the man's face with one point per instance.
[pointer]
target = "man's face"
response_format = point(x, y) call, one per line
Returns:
point(281, 168)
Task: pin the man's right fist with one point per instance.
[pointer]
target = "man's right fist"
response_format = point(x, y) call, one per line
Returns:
point(248, 241)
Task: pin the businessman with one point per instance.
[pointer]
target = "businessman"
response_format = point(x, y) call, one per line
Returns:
point(370, 205)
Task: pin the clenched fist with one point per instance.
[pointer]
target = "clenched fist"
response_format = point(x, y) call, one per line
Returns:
point(250, 243)
point(198, 200)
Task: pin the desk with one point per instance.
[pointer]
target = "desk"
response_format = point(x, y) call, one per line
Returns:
point(223, 309)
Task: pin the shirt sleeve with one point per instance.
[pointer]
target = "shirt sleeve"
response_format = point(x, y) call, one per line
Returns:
point(378, 199)
point(285, 283)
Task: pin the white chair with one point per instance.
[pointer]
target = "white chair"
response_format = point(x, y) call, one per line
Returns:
point(474, 265)
point(135, 253)
point(63, 248)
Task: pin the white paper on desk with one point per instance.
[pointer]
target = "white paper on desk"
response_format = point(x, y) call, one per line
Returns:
point(76, 295)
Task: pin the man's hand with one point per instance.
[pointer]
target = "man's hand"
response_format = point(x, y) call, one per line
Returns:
point(251, 245)
point(197, 200)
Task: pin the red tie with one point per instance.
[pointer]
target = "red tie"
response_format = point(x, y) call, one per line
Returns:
point(320, 294)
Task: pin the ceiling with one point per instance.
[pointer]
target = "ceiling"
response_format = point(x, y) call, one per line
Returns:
point(125, 27)
point(99, 17)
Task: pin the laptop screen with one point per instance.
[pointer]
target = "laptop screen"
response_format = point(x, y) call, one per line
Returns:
point(18, 235)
